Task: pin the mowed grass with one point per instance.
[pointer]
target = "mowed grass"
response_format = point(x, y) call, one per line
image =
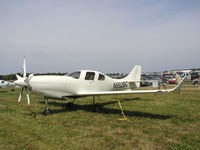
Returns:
point(156, 122)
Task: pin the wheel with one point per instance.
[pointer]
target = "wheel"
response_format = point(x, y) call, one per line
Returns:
point(69, 105)
point(46, 111)
point(97, 108)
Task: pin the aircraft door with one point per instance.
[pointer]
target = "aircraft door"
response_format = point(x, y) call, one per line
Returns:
point(89, 81)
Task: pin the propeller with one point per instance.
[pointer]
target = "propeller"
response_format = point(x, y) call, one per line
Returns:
point(23, 82)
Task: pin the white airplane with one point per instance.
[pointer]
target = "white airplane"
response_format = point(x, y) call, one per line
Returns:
point(81, 84)
point(6, 84)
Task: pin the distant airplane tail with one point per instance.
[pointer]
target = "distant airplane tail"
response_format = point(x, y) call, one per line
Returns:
point(134, 76)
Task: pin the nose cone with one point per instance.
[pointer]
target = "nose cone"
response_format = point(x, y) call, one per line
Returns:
point(20, 82)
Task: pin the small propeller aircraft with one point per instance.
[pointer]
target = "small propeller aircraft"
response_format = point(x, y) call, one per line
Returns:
point(6, 84)
point(82, 84)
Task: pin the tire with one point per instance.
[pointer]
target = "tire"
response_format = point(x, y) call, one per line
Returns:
point(46, 111)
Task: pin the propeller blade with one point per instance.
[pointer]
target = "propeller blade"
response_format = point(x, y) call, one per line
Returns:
point(18, 77)
point(24, 68)
point(19, 99)
point(28, 99)
point(24, 83)
point(29, 78)
point(20, 96)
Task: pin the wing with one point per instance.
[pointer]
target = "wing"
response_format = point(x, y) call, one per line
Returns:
point(178, 87)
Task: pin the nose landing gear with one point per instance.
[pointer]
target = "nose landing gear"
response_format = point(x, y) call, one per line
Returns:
point(46, 109)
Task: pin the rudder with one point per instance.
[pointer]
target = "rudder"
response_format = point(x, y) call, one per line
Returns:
point(134, 76)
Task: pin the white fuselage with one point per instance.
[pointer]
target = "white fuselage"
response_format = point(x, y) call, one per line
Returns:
point(63, 87)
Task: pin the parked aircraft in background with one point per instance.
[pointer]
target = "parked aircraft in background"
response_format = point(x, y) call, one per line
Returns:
point(6, 84)
point(81, 84)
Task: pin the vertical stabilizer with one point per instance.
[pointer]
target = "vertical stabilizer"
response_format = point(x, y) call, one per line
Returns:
point(134, 76)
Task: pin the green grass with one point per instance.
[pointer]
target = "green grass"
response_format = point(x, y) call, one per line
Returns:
point(166, 122)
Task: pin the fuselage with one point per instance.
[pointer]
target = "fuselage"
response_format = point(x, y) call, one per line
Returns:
point(68, 86)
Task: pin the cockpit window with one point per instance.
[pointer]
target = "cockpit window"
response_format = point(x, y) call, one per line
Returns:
point(90, 76)
point(75, 75)
point(101, 77)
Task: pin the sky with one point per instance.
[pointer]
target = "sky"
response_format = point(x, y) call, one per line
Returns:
point(104, 35)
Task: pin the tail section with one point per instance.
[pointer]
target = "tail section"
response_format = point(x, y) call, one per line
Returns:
point(134, 76)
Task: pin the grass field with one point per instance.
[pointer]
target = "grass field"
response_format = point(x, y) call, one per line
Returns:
point(156, 122)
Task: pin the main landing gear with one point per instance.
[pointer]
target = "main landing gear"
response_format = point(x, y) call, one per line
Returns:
point(96, 107)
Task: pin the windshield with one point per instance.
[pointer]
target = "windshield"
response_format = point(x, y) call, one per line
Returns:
point(75, 75)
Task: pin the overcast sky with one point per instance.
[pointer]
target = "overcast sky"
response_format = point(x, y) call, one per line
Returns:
point(104, 35)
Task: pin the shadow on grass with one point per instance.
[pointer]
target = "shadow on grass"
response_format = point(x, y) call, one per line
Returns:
point(89, 108)
point(3, 91)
